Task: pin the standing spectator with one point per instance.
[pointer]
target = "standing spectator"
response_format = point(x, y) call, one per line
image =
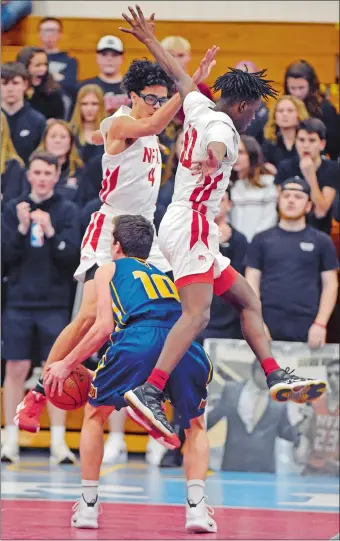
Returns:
point(12, 11)
point(88, 113)
point(255, 129)
point(280, 130)
point(180, 49)
point(252, 418)
point(63, 67)
point(293, 269)
point(302, 82)
point(58, 140)
point(12, 166)
point(44, 93)
point(25, 123)
point(322, 175)
point(253, 192)
point(40, 230)
point(109, 59)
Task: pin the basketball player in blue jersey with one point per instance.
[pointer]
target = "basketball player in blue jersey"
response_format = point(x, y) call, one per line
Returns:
point(137, 305)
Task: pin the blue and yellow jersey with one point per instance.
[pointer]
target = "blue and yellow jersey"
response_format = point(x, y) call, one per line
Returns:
point(142, 294)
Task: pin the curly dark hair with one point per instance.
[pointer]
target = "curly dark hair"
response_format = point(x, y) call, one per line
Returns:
point(237, 85)
point(142, 73)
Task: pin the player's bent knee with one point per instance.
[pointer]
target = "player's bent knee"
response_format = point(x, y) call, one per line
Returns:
point(99, 414)
point(196, 424)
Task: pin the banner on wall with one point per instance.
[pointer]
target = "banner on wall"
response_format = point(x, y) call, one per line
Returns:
point(248, 431)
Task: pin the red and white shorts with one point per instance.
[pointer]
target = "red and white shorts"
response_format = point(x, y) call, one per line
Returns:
point(190, 242)
point(96, 246)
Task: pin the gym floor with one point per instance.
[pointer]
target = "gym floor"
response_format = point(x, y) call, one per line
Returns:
point(144, 502)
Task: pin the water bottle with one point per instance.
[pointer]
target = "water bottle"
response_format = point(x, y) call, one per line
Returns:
point(37, 235)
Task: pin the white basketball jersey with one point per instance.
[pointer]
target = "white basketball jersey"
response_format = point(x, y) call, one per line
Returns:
point(131, 179)
point(203, 125)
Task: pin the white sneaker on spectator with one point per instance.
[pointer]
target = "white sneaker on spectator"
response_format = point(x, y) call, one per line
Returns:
point(61, 454)
point(85, 516)
point(115, 449)
point(199, 518)
point(33, 380)
point(10, 453)
point(154, 452)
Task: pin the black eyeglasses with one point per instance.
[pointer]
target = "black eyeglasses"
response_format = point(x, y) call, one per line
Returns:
point(151, 99)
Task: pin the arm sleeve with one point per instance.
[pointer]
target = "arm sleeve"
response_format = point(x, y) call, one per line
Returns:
point(255, 253)
point(328, 257)
point(195, 99)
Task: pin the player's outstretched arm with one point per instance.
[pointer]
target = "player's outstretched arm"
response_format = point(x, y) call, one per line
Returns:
point(143, 31)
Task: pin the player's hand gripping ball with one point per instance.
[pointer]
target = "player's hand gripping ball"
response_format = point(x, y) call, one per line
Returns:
point(75, 391)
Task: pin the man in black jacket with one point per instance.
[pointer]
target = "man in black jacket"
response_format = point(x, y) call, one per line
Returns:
point(25, 123)
point(40, 248)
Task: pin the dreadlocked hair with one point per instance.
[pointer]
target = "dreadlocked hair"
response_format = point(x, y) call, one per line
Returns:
point(238, 85)
point(142, 73)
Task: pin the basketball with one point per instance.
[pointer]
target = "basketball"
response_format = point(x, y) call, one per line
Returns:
point(75, 390)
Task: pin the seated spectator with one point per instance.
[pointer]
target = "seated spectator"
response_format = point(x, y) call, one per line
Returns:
point(168, 180)
point(40, 230)
point(280, 130)
point(58, 140)
point(12, 166)
point(44, 93)
point(109, 59)
point(87, 115)
point(293, 269)
point(322, 175)
point(253, 192)
point(25, 123)
point(180, 49)
point(302, 82)
point(63, 68)
point(255, 129)
point(252, 418)
point(12, 11)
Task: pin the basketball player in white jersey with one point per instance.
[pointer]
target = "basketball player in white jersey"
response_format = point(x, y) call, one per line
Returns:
point(189, 237)
point(131, 180)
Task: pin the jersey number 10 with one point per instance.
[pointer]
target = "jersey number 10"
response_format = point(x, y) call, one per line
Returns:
point(157, 286)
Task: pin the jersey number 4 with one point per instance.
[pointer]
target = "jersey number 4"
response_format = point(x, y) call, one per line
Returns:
point(190, 138)
point(157, 286)
point(151, 176)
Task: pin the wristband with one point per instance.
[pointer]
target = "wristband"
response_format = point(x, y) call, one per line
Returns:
point(320, 325)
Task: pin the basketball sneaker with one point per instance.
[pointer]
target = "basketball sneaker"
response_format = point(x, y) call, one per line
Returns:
point(61, 454)
point(86, 514)
point(199, 518)
point(10, 453)
point(148, 400)
point(29, 411)
point(115, 451)
point(169, 442)
point(284, 385)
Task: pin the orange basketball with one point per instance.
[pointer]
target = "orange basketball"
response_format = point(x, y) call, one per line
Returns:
point(75, 391)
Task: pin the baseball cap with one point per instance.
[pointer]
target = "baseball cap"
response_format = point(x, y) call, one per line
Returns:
point(304, 186)
point(110, 43)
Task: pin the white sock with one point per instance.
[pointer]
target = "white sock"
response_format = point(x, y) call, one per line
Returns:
point(116, 438)
point(12, 434)
point(57, 435)
point(89, 491)
point(195, 491)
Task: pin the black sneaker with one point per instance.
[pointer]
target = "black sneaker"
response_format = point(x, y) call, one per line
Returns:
point(147, 399)
point(284, 385)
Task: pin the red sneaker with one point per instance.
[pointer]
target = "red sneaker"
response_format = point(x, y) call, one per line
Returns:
point(29, 411)
point(170, 442)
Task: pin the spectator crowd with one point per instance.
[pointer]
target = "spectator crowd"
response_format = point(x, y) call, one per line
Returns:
point(275, 219)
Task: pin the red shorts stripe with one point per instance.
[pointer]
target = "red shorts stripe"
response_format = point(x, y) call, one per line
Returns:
point(225, 280)
point(203, 278)
point(205, 230)
point(97, 231)
point(89, 230)
point(195, 229)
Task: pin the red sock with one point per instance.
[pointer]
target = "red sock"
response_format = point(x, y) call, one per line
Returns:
point(158, 378)
point(269, 365)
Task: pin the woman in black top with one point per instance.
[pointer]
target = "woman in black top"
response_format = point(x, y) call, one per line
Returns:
point(44, 93)
point(302, 82)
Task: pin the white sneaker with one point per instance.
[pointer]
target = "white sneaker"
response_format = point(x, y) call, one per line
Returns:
point(10, 453)
point(199, 519)
point(114, 450)
point(61, 454)
point(85, 516)
point(154, 452)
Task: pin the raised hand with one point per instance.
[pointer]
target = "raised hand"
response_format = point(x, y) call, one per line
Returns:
point(141, 28)
point(206, 65)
